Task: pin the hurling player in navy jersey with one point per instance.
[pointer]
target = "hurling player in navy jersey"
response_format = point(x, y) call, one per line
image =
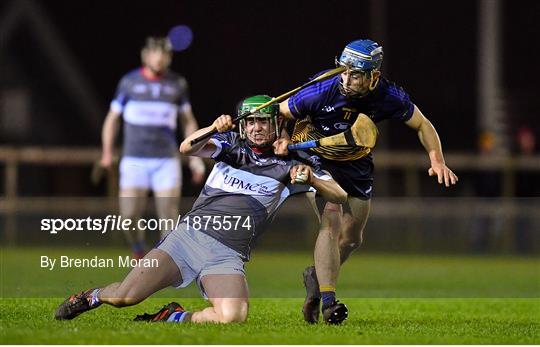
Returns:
point(331, 107)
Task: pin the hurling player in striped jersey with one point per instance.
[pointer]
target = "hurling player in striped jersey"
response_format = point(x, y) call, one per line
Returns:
point(151, 101)
point(241, 196)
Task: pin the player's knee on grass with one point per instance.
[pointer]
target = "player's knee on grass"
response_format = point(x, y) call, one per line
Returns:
point(233, 311)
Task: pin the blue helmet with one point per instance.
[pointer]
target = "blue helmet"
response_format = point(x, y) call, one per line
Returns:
point(364, 55)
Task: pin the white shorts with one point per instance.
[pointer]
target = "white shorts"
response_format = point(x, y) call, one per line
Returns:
point(197, 255)
point(156, 174)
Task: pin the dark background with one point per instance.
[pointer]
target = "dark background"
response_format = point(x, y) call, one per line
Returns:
point(243, 48)
point(247, 47)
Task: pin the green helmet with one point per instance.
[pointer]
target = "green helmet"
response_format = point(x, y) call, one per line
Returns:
point(271, 111)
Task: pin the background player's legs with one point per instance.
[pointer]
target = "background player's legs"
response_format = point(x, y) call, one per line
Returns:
point(142, 282)
point(132, 204)
point(167, 205)
point(228, 295)
point(326, 248)
point(166, 183)
point(353, 227)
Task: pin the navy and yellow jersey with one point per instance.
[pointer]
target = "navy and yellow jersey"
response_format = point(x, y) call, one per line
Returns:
point(248, 185)
point(150, 110)
point(323, 111)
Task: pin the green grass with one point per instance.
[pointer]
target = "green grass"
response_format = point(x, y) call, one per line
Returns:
point(393, 299)
point(277, 321)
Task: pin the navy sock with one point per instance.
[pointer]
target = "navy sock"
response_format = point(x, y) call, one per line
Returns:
point(328, 298)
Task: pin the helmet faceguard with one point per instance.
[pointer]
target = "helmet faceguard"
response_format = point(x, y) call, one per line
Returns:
point(361, 57)
point(270, 112)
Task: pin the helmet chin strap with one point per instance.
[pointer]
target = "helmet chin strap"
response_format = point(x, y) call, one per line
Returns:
point(350, 94)
point(372, 85)
point(372, 82)
point(263, 147)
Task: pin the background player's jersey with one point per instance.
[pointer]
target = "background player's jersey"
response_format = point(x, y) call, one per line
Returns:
point(150, 110)
point(245, 184)
point(330, 112)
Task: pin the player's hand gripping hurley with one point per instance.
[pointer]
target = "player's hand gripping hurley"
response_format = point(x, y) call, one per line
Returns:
point(280, 98)
point(363, 133)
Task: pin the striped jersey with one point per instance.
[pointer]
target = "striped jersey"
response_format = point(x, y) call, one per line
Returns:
point(247, 188)
point(150, 110)
point(330, 113)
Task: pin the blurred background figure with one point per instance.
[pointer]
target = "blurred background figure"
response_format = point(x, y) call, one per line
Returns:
point(527, 186)
point(151, 100)
point(526, 141)
point(487, 184)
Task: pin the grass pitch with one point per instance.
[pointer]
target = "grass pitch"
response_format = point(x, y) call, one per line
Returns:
point(398, 299)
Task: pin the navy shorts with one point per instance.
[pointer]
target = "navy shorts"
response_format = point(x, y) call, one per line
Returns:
point(355, 176)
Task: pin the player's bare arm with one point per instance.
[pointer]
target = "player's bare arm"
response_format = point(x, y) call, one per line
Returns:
point(284, 110)
point(328, 189)
point(206, 148)
point(430, 140)
point(187, 120)
point(189, 125)
point(108, 135)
